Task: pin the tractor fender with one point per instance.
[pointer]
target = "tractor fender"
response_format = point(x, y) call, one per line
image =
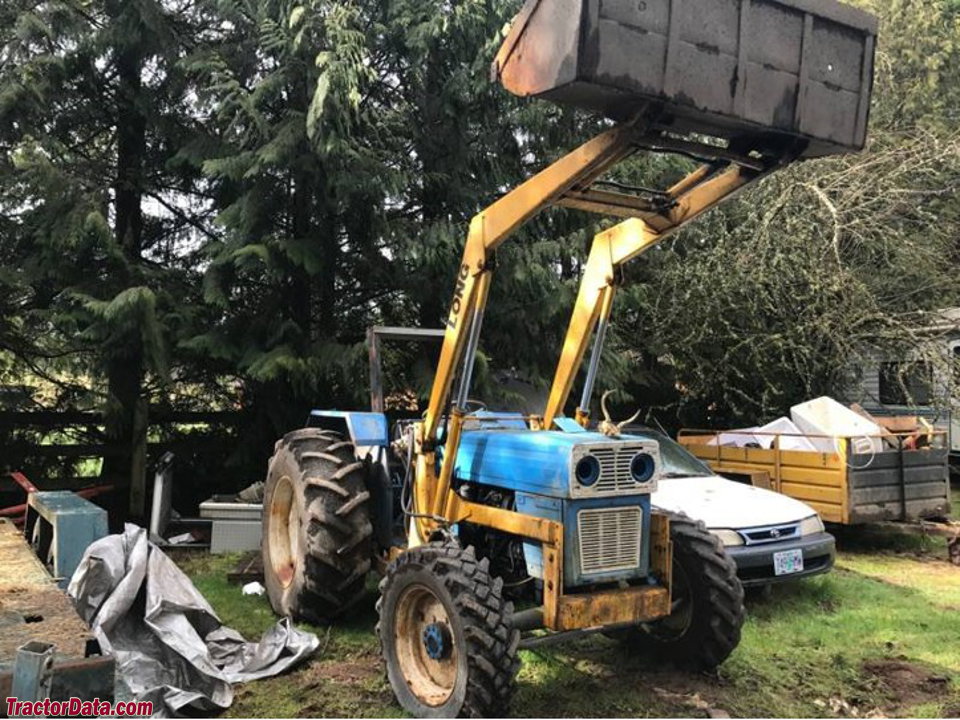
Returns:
point(365, 429)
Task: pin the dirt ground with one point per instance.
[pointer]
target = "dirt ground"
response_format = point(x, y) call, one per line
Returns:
point(877, 637)
point(906, 683)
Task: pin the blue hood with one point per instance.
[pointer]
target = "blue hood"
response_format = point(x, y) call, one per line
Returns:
point(520, 459)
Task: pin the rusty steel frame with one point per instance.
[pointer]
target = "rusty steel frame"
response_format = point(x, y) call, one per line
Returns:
point(79, 669)
point(379, 333)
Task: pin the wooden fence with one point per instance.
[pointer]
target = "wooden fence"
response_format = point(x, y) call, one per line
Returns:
point(64, 450)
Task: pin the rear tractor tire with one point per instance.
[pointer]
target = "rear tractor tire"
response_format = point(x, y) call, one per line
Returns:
point(703, 627)
point(317, 544)
point(445, 633)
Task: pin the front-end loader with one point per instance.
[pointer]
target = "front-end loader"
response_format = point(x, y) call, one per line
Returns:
point(465, 511)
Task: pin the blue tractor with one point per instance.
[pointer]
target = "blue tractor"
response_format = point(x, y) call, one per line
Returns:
point(463, 511)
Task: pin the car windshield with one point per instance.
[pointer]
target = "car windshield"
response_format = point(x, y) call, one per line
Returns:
point(677, 460)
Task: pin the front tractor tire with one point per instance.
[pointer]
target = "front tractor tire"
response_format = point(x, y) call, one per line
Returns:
point(316, 545)
point(445, 633)
point(707, 612)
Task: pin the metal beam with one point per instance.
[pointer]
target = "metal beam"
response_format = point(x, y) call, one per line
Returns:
point(33, 671)
point(375, 334)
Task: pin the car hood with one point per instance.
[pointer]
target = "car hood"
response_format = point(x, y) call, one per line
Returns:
point(722, 503)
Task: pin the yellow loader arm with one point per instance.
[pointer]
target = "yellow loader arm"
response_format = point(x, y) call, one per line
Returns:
point(434, 503)
point(704, 188)
point(568, 182)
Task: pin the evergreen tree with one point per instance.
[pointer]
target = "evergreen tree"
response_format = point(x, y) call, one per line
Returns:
point(207, 202)
point(777, 297)
point(351, 158)
point(93, 110)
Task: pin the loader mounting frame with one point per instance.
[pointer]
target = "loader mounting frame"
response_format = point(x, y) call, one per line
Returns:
point(569, 182)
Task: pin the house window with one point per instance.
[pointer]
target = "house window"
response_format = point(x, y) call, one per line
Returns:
point(906, 383)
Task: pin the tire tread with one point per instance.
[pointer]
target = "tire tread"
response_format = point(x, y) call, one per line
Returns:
point(336, 533)
point(491, 641)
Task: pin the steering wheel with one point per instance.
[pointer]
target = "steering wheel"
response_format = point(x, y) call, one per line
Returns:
point(473, 406)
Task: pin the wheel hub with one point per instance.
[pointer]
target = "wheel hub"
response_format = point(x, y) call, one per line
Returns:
point(426, 646)
point(436, 640)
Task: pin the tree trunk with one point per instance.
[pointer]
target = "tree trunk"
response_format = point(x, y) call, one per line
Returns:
point(434, 149)
point(326, 281)
point(303, 210)
point(127, 417)
point(300, 298)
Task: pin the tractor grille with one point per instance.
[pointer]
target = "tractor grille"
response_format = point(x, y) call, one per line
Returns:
point(609, 539)
point(615, 478)
point(615, 469)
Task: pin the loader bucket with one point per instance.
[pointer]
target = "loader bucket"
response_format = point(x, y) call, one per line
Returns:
point(768, 71)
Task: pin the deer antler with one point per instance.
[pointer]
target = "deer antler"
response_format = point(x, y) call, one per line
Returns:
point(607, 426)
point(603, 406)
point(624, 423)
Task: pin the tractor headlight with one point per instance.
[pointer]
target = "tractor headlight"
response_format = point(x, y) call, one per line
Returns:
point(587, 470)
point(728, 537)
point(811, 525)
point(642, 467)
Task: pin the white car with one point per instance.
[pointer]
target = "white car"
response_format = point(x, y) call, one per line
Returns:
point(770, 536)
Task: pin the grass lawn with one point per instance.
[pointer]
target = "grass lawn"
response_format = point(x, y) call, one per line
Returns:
point(879, 636)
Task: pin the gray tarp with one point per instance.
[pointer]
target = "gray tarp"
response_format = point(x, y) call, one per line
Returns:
point(169, 644)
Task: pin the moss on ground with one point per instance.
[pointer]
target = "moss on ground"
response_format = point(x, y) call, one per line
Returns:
point(879, 636)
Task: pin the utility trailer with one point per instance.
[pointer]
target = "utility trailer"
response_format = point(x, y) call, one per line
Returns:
point(844, 486)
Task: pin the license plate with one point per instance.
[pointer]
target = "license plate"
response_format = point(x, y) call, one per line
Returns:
point(787, 562)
